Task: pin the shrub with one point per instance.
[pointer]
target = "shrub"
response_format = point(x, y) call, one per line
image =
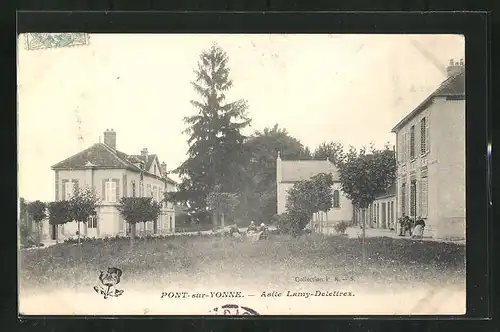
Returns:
point(341, 227)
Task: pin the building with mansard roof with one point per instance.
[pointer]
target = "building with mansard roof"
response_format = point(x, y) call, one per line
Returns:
point(113, 174)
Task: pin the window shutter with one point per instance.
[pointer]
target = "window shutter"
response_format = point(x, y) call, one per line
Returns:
point(427, 140)
point(125, 185)
point(63, 196)
point(424, 197)
point(408, 145)
point(117, 189)
point(104, 191)
point(405, 146)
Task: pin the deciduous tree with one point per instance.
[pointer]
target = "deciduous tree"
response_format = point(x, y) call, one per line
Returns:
point(37, 211)
point(365, 175)
point(83, 204)
point(59, 213)
point(138, 209)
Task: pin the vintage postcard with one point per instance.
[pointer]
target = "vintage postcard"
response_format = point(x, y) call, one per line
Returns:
point(233, 174)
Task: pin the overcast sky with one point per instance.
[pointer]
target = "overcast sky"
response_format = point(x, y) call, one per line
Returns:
point(348, 88)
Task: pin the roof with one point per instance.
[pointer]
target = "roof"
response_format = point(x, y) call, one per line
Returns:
point(147, 163)
point(453, 86)
point(100, 155)
point(298, 170)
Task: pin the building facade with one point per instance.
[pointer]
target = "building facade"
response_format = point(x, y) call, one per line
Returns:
point(431, 159)
point(112, 175)
point(289, 172)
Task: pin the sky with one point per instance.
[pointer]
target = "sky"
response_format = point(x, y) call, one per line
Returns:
point(347, 88)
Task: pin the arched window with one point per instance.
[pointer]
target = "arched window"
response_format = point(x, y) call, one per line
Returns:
point(336, 199)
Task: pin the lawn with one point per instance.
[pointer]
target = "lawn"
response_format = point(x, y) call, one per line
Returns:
point(270, 262)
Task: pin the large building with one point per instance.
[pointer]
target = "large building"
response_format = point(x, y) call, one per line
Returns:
point(431, 159)
point(112, 175)
point(289, 172)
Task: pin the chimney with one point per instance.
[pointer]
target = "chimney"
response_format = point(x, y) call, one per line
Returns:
point(144, 154)
point(110, 138)
point(455, 67)
point(164, 168)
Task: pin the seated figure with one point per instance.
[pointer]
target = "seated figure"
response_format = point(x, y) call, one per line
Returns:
point(252, 227)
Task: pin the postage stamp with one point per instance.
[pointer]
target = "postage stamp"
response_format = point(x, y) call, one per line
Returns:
point(262, 202)
point(39, 40)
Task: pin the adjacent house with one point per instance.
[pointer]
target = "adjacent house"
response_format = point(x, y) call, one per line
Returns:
point(289, 172)
point(113, 174)
point(431, 159)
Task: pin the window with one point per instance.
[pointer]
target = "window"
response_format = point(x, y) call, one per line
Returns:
point(154, 168)
point(423, 197)
point(424, 135)
point(155, 193)
point(133, 188)
point(171, 224)
point(110, 195)
point(336, 199)
point(68, 190)
point(377, 213)
point(413, 198)
point(92, 222)
point(403, 199)
point(149, 192)
point(412, 142)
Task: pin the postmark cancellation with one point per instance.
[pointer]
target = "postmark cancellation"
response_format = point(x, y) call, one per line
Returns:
point(38, 40)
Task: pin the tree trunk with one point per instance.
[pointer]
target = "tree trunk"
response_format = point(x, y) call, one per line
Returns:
point(326, 221)
point(222, 220)
point(363, 249)
point(39, 227)
point(132, 234)
point(78, 232)
point(214, 219)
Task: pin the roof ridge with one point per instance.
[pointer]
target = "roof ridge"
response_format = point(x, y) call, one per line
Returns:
point(74, 155)
point(113, 152)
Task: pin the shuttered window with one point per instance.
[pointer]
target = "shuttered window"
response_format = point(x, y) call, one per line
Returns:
point(423, 197)
point(413, 197)
point(111, 191)
point(412, 142)
point(423, 133)
point(68, 189)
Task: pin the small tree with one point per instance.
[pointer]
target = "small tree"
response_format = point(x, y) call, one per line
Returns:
point(366, 175)
point(59, 213)
point(38, 211)
point(138, 209)
point(323, 195)
point(83, 204)
point(305, 199)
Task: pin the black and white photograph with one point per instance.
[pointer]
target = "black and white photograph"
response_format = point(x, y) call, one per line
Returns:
point(241, 174)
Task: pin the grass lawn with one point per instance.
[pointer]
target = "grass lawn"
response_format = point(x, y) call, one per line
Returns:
point(201, 259)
